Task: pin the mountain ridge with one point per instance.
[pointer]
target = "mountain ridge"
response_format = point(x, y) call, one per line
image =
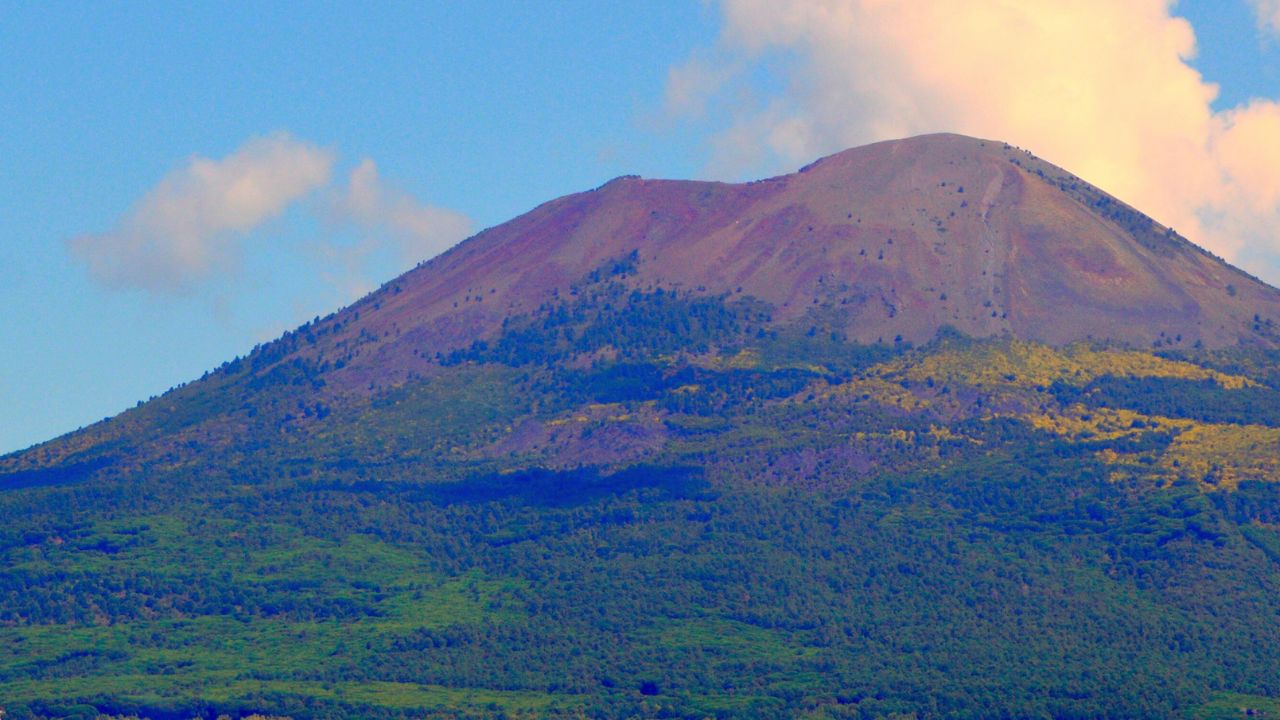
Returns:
point(779, 239)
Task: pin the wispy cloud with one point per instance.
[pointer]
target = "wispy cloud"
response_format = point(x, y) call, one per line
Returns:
point(379, 226)
point(1102, 87)
point(190, 225)
point(387, 214)
point(1268, 12)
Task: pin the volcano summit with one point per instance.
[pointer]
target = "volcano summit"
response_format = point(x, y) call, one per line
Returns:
point(901, 238)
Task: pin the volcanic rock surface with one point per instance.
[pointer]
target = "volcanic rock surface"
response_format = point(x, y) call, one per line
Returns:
point(898, 239)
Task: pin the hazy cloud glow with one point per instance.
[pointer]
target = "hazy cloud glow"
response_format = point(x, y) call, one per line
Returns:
point(1268, 14)
point(391, 225)
point(190, 224)
point(418, 231)
point(1099, 86)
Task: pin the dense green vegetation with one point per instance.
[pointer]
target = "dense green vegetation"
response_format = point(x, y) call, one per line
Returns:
point(655, 504)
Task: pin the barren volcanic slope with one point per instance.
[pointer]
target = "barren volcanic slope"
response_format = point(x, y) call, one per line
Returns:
point(931, 428)
point(897, 239)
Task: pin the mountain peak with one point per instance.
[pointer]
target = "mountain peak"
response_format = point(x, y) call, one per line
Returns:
point(894, 240)
point(932, 147)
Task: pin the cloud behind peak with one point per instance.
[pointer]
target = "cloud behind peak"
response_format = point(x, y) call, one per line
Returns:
point(1104, 88)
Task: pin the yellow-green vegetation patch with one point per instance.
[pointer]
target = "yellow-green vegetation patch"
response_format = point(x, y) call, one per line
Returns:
point(1132, 363)
point(745, 359)
point(942, 433)
point(870, 389)
point(1223, 455)
point(1078, 422)
point(614, 412)
point(751, 358)
point(1022, 363)
point(1219, 455)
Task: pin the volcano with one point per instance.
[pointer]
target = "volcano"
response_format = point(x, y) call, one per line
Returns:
point(905, 237)
point(929, 428)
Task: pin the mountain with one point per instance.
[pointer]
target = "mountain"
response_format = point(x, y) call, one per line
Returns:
point(929, 428)
point(905, 237)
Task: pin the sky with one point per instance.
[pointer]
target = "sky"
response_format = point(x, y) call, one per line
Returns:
point(179, 182)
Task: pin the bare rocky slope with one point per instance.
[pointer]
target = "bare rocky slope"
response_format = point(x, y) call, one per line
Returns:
point(897, 239)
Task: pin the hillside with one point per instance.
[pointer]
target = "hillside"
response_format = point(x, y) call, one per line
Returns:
point(930, 428)
point(896, 239)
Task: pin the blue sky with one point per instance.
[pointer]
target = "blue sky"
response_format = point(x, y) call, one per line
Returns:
point(462, 115)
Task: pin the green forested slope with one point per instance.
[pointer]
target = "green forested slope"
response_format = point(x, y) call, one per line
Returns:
point(662, 504)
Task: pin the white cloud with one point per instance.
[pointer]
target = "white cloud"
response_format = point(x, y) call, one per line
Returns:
point(1101, 87)
point(189, 225)
point(393, 231)
point(1268, 12)
point(417, 231)
point(690, 84)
